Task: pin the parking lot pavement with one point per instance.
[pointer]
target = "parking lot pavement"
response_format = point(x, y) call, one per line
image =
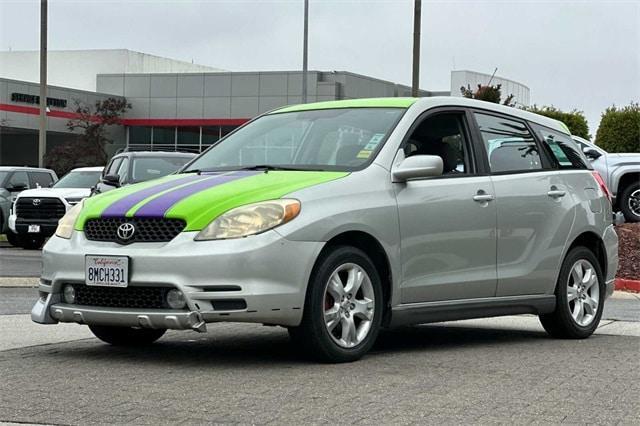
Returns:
point(17, 262)
point(252, 374)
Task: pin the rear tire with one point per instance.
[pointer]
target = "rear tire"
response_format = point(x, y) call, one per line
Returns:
point(630, 202)
point(126, 336)
point(580, 293)
point(341, 320)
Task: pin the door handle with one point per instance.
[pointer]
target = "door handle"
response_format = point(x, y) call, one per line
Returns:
point(556, 193)
point(483, 198)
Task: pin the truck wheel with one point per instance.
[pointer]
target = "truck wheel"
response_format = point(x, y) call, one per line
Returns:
point(31, 242)
point(126, 336)
point(13, 238)
point(343, 308)
point(580, 293)
point(630, 202)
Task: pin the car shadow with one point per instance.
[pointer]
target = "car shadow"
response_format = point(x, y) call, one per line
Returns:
point(273, 346)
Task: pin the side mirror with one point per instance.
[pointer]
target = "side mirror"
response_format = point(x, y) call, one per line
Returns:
point(418, 166)
point(111, 180)
point(591, 153)
point(17, 187)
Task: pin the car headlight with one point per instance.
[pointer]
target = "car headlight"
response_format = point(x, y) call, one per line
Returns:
point(250, 219)
point(73, 200)
point(65, 225)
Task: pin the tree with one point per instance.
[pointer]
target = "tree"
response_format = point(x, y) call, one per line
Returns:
point(89, 147)
point(487, 93)
point(574, 120)
point(619, 129)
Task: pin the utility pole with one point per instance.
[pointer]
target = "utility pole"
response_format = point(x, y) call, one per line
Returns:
point(417, 15)
point(305, 48)
point(42, 135)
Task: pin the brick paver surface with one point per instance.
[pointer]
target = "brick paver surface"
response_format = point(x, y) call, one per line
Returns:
point(252, 374)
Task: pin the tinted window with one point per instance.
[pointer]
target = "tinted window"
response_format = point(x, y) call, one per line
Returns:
point(3, 176)
point(123, 170)
point(112, 169)
point(442, 135)
point(509, 144)
point(147, 168)
point(567, 153)
point(39, 179)
point(19, 178)
point(79, 179)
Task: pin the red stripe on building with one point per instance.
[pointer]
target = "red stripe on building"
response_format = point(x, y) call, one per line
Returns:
point(158, 122)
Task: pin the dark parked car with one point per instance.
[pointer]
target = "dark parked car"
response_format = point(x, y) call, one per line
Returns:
point(133, 167)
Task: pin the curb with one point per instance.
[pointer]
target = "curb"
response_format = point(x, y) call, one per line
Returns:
point(628, 285)
point(19, 282)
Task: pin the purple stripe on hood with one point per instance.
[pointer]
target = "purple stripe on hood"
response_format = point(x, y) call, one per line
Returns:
point(160, 205)
point(120, 207)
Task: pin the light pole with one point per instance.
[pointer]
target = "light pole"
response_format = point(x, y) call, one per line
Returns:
point(415, 80)
point(305, 42)
point(42, 134)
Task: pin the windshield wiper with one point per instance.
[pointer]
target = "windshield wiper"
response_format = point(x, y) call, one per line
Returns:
point(268, 167)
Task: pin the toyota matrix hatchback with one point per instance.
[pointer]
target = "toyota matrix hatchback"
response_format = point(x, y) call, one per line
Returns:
point(335, 219)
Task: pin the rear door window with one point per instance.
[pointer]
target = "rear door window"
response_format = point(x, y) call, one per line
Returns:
point(509, 144)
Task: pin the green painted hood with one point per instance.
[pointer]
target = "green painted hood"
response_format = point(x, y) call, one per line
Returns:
point(198, 199)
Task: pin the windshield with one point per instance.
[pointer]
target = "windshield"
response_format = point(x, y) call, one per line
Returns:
point(147, 168)
point(3, 175)
point(79, 179)
point(343, 139)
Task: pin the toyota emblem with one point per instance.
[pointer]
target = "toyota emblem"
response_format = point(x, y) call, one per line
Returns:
point(36, 201)
point(125, 231)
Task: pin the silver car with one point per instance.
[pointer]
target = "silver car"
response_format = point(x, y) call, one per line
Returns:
point(336, 219)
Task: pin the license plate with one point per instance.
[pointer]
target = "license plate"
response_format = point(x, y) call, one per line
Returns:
point(33, 229)
point(107, 271)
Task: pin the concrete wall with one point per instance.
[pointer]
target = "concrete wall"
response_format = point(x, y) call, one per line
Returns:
point(471, 78)
point(77, 69)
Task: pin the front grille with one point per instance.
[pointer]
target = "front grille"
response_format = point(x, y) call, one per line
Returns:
point(147, 230)
point(113, 297)
point(39, 208)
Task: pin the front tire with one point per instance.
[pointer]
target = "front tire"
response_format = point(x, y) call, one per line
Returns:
point(126, 336)
point(343, 307)
point(630, 202)
point(580, 293)
point(13, 238)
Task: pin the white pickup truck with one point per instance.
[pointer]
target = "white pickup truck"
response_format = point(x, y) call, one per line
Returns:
point(35, 212)
point(621, 173)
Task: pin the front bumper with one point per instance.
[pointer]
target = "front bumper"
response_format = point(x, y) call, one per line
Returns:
point(21, 226)
point(267, 271)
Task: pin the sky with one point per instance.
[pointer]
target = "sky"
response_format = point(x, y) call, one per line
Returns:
point(581, 55)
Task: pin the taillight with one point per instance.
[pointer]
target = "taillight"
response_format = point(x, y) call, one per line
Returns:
point(603, 185)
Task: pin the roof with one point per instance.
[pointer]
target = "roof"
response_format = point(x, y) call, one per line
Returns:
point(352, 103)
point(430, 102)
point(155, 154)
point(88, 169)
point(27, 168)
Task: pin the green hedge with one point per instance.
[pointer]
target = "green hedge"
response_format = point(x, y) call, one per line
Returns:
point(619, 129)
point(574, 120)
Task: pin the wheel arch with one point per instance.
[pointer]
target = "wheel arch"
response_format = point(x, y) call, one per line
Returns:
point(592, 241)
point(622, 178)
point(378, 255)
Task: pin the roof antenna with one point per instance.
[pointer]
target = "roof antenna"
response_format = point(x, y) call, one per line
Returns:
point(492, 75)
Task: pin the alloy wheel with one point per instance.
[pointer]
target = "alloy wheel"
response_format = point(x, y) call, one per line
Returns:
point(349, 303)
point(583, 292)
point(634, 202)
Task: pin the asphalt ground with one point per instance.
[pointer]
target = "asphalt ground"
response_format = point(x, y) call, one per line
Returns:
point(496, 370)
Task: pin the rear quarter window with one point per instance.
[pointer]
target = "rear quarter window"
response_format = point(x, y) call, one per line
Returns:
point(564, 150)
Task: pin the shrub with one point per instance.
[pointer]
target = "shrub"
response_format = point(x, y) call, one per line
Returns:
point(619, 129)
point(574, 120)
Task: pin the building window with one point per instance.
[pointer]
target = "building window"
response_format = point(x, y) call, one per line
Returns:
point(164, 136)
point(189, 136)
point(210, 135)
point(139, 135)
